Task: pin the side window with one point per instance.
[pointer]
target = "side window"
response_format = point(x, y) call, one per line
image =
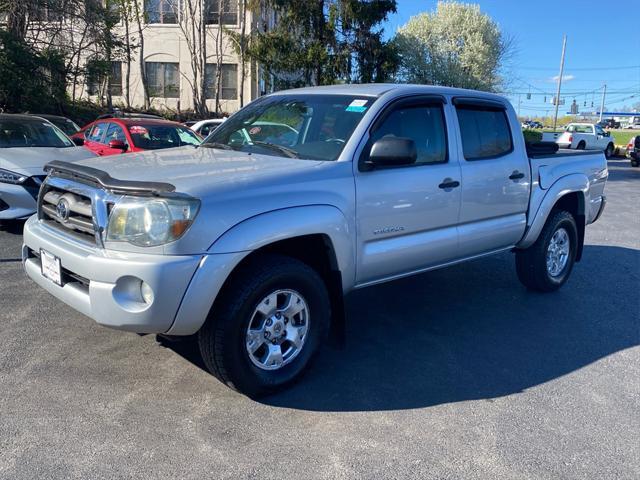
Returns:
point(205, 129)
point(485, 132)
point(114, 132)
point(95, 135)
point(424, 124)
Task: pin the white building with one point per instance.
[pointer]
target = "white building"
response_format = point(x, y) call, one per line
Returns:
point(167, 58)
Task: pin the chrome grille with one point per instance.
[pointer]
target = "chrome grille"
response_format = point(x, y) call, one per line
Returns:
point(69, 212)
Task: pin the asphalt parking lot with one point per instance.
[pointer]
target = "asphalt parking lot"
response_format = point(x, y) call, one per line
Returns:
point(458, 373)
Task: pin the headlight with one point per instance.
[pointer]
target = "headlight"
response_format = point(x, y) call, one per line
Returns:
point(148, 222)
point(11, 177)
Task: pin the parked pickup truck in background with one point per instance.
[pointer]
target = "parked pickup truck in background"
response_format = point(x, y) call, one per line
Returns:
point(251, 244)
point(587, 136)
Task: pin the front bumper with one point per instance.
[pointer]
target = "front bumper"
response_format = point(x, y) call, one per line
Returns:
point(101, 284)
point(20, 202)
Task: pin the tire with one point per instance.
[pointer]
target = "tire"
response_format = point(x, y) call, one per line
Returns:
point(608, 152)
point(223, 339)
point(634, 163)
point(531, 263)
point(581, 145)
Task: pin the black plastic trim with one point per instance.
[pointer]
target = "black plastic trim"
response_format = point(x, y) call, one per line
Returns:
point(478, 102)
point(106, 181)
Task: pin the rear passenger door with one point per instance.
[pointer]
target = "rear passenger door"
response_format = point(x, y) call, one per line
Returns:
point(496, 177)
point(407, 215)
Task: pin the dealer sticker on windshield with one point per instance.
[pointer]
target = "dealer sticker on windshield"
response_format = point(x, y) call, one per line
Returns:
point(357, 106)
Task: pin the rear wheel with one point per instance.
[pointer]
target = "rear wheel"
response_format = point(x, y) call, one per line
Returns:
point(634, 163)
point(546, 265)
point(267, 325)
point(581, 145)
point(608, 152)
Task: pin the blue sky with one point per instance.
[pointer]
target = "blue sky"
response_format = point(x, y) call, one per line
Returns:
point(597, 53)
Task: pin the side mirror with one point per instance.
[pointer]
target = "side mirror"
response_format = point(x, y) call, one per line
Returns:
point(607, 134)
point(78, 141)
point(118, 144)
point(392, 151)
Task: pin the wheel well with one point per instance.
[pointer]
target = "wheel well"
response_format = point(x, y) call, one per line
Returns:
point(574, 204)
point(318, 252)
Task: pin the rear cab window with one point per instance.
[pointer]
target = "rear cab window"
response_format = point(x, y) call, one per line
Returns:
point(484, 130)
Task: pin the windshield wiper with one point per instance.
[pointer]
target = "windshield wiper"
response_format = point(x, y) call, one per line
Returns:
point(279, 148)
point(222, 146)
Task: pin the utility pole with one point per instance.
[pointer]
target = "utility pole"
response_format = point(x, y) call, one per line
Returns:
point(604, 94)
point(564, 47)
point(518, 106)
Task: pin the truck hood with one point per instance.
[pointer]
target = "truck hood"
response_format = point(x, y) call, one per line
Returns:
point(200, 171)
point(31, 160)
point(231, 186)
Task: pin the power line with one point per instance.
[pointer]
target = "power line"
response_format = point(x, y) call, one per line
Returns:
point(584, 69)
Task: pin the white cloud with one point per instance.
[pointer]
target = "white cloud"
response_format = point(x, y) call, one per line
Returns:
point(565, 78)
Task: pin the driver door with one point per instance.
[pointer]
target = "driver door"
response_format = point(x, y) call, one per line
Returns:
point(407, 215)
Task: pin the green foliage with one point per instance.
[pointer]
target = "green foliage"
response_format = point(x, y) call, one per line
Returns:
point(457, 46)
point(29, 80)
point(321, 42)
point(532, 136)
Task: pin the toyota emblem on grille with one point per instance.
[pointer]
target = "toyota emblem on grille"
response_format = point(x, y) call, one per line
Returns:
point(62, 209)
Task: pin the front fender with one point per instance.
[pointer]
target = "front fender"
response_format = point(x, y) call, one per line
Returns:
point(239, 241)
point(271, 227)
point(543, 201)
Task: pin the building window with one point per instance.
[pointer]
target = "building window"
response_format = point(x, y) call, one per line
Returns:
point(228, 14)
point(115, 79)
point(47, 11)
point(163, 79)
point(228, 81)
point(162, 11)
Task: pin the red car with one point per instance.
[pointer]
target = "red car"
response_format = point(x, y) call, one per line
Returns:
point(111, 136)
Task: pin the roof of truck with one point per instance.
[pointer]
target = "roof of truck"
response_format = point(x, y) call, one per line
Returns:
point(378, 89)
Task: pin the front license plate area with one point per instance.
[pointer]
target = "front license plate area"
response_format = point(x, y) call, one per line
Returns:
point(50, 265)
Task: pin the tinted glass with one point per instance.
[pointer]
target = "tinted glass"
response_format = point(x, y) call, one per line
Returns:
point(485, 132)
point(313, 127)
point(114, 132)
point(422, 124)
point(156, 137)
point(31, 133)
point(95, 134)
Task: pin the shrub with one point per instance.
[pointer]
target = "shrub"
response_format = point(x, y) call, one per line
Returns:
point(532, 136)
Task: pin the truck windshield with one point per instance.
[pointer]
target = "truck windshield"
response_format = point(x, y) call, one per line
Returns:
point(314, 127)
point(31, 133)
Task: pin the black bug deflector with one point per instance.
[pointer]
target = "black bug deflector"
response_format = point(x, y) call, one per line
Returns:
point(102, 179)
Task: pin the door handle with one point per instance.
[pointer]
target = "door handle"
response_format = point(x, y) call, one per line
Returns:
point(516, 175)
point(449, 183)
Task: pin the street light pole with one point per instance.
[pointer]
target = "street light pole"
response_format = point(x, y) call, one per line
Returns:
point(555, 117)
point(604, 94)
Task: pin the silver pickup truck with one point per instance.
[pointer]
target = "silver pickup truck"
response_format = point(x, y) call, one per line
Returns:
point(250, 241)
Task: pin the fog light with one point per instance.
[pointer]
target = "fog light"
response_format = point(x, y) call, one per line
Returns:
point(146, 292)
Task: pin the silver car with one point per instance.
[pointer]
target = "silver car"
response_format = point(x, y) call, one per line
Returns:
point(27, 143)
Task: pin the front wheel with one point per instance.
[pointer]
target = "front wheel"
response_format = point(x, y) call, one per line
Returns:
point(267, 325)
point(546, 265)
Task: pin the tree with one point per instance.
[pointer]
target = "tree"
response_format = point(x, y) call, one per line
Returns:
point(320, 42)
point(457, 46)
point(371, 58)
point(193, 24)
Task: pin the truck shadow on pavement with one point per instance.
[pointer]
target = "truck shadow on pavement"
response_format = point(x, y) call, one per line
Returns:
point(470, 332)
